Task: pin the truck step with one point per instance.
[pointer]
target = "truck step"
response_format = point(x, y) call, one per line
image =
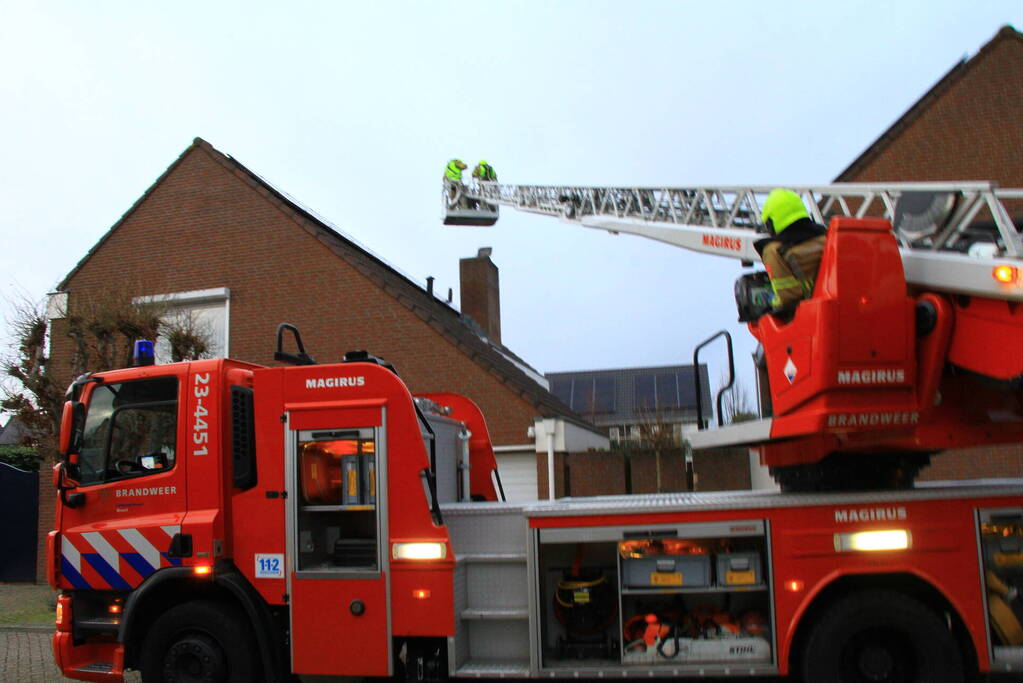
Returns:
point(97, 668)
point(110, 624)
point(494, 668)
point(491, 557)
point(496, 613)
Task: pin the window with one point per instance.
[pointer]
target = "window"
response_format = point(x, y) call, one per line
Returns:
point(562, 388)
point(582, 395)
point(604, 394)
point(657, 392)
point(587, 395)
point(130, 430)
point(646, 397)
point(337, 521)
point(667, 391)
point(206, 311)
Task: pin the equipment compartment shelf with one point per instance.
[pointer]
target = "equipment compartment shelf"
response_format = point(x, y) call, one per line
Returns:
point(722, 618)
point(336, 508)
point(693, 589)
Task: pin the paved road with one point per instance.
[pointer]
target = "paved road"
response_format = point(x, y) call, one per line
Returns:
point(26, 657)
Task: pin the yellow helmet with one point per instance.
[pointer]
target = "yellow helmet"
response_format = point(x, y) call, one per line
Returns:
point(782, 209)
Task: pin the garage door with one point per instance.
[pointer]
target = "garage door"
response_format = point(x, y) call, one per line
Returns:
point(518, 475)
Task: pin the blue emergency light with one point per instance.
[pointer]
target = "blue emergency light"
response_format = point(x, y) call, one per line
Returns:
point(144, 353)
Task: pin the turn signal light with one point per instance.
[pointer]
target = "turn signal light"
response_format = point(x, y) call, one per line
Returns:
point(202, 570)
point(1005, 274)
point(63, 618)
point(794, 586)
point(421, 593)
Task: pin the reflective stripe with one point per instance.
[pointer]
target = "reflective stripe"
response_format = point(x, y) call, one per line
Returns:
point(144, 548)
point(109, 573)
point(171, 530)
point(72, 574)
point(784, 283)
point(69, 553)
point(103, 547)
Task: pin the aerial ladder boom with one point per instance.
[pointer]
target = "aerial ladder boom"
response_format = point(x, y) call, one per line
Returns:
point(908, 344)
point(934, 223)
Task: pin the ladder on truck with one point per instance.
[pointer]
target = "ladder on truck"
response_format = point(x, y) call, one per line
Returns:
point(952, 235)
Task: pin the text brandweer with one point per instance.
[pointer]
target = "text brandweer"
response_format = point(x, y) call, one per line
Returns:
point(150, 491)
point(873, 419)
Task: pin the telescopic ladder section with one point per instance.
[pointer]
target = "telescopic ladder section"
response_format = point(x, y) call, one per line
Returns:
point(952, 235)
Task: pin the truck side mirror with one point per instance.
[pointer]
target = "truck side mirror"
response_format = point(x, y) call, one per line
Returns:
point(63, 482)
point(71, 427)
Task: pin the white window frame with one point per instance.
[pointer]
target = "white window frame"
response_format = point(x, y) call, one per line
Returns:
point(194, 298)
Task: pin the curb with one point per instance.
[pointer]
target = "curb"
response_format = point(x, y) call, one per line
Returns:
point(28, 628)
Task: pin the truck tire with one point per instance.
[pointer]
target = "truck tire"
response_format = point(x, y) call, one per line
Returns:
point(200, 641)
point(881, 636)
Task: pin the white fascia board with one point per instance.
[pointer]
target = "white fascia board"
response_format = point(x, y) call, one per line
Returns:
point(191, 297)
point(567, 437)
point(739, 434)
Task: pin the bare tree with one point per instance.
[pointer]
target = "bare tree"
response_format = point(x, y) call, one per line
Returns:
point(102, 332)
point(187, 335)
point(736, 404)
point(33, 397)
point(658, 434)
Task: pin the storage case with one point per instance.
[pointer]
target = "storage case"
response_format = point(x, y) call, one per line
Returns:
point(656, 571)
point(738, 569)
point(350, 480)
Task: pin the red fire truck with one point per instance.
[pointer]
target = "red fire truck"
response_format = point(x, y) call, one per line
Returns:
point(227, 522)
point(221, 521)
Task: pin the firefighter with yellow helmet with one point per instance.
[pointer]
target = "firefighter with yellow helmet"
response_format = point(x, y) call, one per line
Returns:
point(484, 171)
point(793, 254)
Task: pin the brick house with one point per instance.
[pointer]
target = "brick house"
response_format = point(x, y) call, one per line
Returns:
point(212, 239)
point(968, 126)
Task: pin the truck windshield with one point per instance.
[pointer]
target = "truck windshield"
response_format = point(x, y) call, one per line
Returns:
point(130, 430)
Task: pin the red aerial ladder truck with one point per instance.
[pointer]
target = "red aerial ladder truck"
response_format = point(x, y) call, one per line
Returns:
point(908, 346)
point(222, 521)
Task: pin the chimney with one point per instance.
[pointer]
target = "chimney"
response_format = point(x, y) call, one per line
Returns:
point(481, 297)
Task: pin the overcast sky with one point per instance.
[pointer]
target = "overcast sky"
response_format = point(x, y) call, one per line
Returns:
point(355, 108)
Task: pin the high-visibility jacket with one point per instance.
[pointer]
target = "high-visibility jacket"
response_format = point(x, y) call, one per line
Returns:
point(453, 172)
point(484, 172)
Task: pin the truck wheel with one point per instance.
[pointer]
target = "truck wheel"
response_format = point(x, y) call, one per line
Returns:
point(200, 641)
point(881, 637)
